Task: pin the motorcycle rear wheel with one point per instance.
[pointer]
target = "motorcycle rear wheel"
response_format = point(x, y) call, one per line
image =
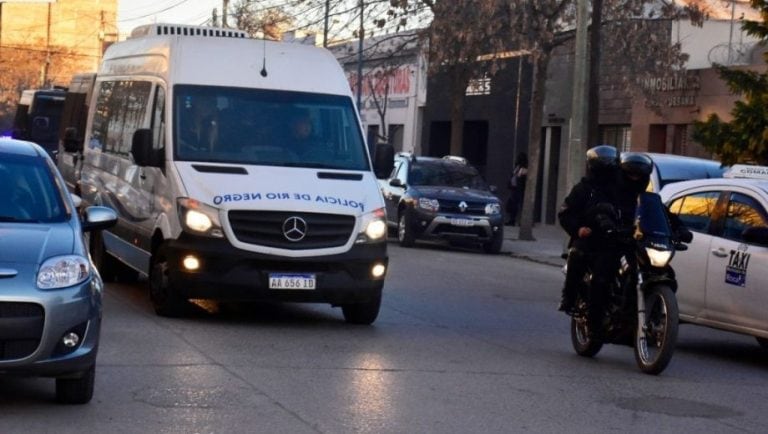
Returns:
point(583, 340)
point(655, 346)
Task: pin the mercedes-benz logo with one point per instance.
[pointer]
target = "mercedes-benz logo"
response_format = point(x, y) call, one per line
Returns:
point(294, 229)
point(463, 206)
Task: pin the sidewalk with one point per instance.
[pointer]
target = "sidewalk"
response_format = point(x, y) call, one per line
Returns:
point(546, 249)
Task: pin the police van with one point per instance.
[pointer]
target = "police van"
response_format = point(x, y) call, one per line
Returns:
point(238, 169)
point(37, 117)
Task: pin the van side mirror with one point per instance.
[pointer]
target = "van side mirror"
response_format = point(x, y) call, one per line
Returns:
point(756, 235)
point(70, 141)
point(383, 160)
point(141, 148)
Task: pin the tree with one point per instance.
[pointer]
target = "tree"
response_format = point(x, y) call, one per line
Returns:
point(268, 23)
point(745, 138)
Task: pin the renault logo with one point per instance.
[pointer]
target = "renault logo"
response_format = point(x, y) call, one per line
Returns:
point(463, 206)
point(294, 229)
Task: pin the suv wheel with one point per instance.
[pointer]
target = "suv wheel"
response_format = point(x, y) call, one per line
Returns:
point(494, 245)
point(405, 231)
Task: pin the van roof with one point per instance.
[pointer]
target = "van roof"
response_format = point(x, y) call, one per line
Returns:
point(227, 61)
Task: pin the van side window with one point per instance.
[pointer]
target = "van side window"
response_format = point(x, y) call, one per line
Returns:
point(121, 109)
point(158, 120)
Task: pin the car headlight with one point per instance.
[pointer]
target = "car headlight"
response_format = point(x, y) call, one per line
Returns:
point(374, 227)
point(429, 204)
point(658, 258)
point(63, 271)
point(492, 208)
point(199, 218)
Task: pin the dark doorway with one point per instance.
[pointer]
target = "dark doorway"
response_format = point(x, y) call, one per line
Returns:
point(657, 139)
point(439, 139)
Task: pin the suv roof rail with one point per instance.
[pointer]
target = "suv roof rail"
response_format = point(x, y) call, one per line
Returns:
point(747, 171)
point(455, 158)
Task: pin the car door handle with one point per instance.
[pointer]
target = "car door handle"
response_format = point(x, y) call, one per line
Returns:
point(720, 253)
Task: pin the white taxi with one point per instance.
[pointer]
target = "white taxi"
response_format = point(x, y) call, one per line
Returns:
point(723, 276)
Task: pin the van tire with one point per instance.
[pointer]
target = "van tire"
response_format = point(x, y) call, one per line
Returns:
point(362, 313)
point(164, 296)
point(76, 390)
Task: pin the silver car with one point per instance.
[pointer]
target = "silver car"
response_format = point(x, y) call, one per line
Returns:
point(50, 293)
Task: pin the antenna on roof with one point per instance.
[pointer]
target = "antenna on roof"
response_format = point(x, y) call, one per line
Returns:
point(264, 63)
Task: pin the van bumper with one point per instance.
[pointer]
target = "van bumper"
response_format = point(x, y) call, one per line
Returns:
point(230, 274)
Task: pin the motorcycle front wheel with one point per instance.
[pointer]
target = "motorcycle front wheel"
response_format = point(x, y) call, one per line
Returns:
point(583, 340)
point(655, 345)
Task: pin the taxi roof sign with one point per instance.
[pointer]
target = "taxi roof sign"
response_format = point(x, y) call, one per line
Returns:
point(747, 171)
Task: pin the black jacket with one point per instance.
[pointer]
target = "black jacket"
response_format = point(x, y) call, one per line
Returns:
point(586, 206)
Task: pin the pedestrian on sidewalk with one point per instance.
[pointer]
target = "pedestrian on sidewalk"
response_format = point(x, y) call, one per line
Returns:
point(516, 187)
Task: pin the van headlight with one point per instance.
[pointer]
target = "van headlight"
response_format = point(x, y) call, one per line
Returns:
point(658, 258)
point(493, 208)
point(199, 218)
point(63, 271)
point(374, 227)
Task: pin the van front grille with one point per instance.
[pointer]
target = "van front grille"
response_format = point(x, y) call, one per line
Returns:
point(284, 229)
point(21, 327)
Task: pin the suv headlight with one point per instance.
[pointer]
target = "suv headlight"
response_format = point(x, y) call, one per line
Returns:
point(199, 218)
point(63, 271)
point(429, 204)
point(374, 227)
point(493, 208)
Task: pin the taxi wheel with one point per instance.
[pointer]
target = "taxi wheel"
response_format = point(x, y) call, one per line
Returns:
point(362, 313)
point(76, 390)
point(763, 342)
point(165, 298)
point(405, 231)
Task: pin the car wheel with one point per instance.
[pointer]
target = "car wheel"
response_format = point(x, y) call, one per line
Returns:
point(164, 296)
point(404, 230)
point(76, 390)
point(494, 246)
point(362, 313)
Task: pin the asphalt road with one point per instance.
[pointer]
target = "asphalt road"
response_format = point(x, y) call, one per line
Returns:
point(465, 343)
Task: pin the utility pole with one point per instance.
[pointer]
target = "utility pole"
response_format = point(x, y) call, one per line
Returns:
point(44, 75)
point(580, 102)
point(225, 8)
point(325, 26)
point(360, 57)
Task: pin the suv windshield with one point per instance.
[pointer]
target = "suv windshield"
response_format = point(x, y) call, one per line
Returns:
point(29, 192)
point(266, 127)
point(446, 173)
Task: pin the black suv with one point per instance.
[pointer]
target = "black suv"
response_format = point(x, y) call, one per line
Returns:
point(442, 198)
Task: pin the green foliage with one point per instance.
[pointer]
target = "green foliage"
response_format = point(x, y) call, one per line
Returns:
point(745, 138)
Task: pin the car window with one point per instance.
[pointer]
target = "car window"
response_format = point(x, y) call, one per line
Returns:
point(446, 174)
point(29, 192)
point(743, 212)
point(695, 209)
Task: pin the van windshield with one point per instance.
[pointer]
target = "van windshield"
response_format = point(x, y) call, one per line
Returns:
point(266, 127)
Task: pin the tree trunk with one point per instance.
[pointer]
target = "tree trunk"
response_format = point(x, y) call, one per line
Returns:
point(541, 63)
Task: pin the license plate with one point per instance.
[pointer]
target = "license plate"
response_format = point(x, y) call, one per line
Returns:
point(462, 222)
point(292, 281)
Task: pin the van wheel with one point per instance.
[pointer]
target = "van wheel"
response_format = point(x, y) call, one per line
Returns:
point(76, 390)
point(164, 296)
point(763, 342)
point(362, 313)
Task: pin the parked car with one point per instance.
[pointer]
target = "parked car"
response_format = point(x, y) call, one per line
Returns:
point(723, 276)
point(669, 168)
point(50, 292)
point(442, 198)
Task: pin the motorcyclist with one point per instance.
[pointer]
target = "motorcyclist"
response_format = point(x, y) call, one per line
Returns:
point(586, 214)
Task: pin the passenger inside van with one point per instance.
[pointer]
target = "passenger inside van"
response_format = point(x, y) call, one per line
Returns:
point(300, 139)
point(199, 125)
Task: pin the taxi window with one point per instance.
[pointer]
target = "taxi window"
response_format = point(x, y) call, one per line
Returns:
point(695, 209)
point(743, 212)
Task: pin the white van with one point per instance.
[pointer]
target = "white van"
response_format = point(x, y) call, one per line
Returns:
point(238, 170)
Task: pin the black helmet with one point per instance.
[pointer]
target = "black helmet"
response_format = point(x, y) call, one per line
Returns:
point(635, 163)
point(602, 161)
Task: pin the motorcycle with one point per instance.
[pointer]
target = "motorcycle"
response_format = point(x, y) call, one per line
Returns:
point(639, 308)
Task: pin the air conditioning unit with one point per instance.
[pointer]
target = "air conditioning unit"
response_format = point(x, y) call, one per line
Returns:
point(184, 30)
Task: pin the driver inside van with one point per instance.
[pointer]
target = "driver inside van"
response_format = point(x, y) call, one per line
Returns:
point(200, 126)
point(299, 140)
